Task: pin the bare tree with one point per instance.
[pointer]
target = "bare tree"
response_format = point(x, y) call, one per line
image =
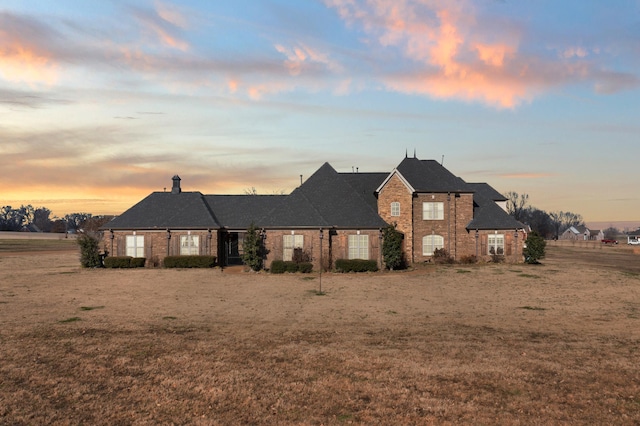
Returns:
point(251, 191)
point(516, 204)
point(564, 220)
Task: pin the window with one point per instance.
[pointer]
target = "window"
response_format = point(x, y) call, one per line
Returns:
point(432, 211)
point(430, 243)
point(496, 244)
point(135, 245)
point(395, 208)
point(358, 247)
point(290, 242)
point(189, 244)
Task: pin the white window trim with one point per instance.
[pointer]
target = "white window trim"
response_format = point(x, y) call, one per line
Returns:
point(289, 243)
point(497, 245)
point(134, 245)
point(395, 208)
point(432, 210)
point(429, 244)
point(189, 245)
point(358, 246)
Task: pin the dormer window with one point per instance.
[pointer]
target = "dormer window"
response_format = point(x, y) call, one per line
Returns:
point(395, 208)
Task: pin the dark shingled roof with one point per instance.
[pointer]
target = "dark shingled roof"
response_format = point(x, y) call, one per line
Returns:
point(486, 213)
point(239, 211)
point(161, 210)
point(327, 199)
point(430, 176)
point(366, 184)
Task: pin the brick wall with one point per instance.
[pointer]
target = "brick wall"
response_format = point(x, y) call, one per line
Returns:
point(157, 246)
point(458, 212)
point(334, 245)
point(396, 191)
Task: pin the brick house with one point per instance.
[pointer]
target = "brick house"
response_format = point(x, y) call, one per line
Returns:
point(435, 209)
point(342, 214)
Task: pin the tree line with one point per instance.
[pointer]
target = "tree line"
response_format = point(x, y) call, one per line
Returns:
point(548, 224)
point(39, 219)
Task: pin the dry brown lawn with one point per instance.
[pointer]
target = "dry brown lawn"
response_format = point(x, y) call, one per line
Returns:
point(557, 343)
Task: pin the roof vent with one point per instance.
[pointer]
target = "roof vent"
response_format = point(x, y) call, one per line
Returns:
point(176, 185)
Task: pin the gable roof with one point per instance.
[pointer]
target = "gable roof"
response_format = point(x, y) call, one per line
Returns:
point(430, 176)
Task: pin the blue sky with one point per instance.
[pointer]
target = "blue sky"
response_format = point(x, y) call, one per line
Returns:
point(102, 102)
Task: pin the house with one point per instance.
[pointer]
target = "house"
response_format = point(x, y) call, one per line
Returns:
point(340, 214)
point(633, 237)
point(581, 232)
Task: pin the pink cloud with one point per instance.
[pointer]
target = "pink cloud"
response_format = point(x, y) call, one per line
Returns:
point(22, 58)
point(454, 55)
point(164, 23)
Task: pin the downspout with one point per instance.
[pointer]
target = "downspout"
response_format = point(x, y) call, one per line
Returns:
point(449, 222)
point(455, 227)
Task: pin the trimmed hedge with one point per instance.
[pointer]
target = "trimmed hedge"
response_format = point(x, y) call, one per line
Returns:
point(138, 262)
point(124, 262)
point(278, 267)
point(189, 261)
point(305, 267)
point(281, 266)
point(356, 265)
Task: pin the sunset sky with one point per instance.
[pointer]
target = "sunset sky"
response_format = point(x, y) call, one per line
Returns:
point(102, 102)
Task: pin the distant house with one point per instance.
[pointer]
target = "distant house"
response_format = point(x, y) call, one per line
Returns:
point(633, 237)
point(342, 214)
point(582, 233)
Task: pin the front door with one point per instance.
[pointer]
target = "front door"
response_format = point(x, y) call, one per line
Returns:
point(233, 248)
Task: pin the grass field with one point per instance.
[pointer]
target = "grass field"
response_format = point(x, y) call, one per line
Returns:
point(25, 245)
point(557, 343)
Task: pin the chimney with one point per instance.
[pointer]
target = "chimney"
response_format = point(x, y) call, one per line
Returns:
point(176, 185)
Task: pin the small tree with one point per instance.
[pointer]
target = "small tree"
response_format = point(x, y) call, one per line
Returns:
point(392, 248)
point(535, 249)
point(252, 248)
point(89, 251)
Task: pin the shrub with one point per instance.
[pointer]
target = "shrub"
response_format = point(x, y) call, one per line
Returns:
point(442, 256)
point(192, 261)
point(535, 249)
point(305, 267)
point(291, 266)
point(468, 260)
point(278, 267)
point(392, 248)
point(138, 262)
point(253, 250)
point(118, 262)
point(89, 251)
point(497, 258)
point(356, 265)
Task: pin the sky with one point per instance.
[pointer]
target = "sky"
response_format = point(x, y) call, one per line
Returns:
point(102, 102)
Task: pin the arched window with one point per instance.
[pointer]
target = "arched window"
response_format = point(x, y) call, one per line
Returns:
point(430, 243)
point(395, 208)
